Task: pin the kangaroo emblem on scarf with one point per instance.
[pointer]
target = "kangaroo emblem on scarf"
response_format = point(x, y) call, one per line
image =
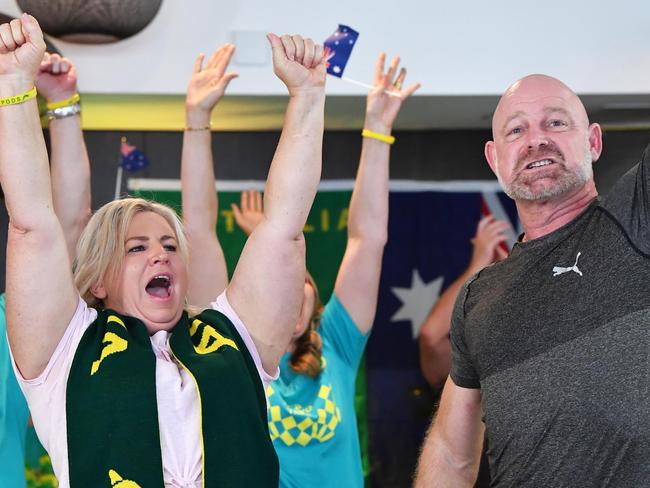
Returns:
point(208, 333)
point(114, 344)
point(118, 482)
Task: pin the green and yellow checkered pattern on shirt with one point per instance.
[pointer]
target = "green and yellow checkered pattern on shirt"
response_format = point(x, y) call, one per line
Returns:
point(302, 429)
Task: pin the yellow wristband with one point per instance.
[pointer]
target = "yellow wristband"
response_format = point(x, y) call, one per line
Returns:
point(64, 103)
point(378, 136)
point(20, 98)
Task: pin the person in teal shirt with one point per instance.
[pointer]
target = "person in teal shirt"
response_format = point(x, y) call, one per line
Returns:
point(313, 418)
point(13, 415)
point(311, 411)
point(19, 446)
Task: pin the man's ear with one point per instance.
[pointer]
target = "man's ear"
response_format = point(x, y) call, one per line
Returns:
point(491, 155)
point(595, 141)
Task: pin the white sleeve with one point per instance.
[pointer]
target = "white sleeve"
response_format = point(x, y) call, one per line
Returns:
point(222, 305)
point(46, 394)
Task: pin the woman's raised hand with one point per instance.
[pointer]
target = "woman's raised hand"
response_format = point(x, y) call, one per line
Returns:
point(21, 50)
point(298, 62)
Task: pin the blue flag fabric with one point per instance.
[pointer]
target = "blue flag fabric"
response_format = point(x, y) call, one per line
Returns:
point(132, 159)
point(428, 248)
point(340, 46)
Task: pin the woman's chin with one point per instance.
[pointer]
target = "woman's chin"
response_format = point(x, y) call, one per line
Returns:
point(157, 320)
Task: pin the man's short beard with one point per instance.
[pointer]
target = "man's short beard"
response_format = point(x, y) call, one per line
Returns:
point(565, 182)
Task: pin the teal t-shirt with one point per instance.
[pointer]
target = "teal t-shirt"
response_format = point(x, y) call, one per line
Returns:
point(13, 415)
point(312, 421)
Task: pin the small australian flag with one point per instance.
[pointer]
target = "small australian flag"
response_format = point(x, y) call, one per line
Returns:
point(340, 46)
point(132, 159)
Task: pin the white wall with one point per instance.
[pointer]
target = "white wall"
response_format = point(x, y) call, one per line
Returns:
point(469, 47)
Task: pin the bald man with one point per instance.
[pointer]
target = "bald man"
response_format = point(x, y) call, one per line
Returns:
point(551, 346)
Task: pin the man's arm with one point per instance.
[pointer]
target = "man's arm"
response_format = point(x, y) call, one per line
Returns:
point(266, 290)
point(69, 164)
point(357, 283)
point(207, 266)
point(435, 350)
point(41, 297)
point(451, 451)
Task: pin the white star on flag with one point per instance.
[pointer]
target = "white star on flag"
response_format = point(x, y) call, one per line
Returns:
point(336, 69)
point(417, 301)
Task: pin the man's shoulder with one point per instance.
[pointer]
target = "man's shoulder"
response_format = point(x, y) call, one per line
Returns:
point(492, 273)
point(478, 286)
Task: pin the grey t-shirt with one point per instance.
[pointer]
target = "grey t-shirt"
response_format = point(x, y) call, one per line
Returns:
point(557, 337)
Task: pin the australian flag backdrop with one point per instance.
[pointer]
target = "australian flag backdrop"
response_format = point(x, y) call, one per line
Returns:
point(429, 232)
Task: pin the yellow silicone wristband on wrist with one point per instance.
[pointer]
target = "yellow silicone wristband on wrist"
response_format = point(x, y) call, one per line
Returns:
point(20, 98)
point(64, 103)
point(378, 136)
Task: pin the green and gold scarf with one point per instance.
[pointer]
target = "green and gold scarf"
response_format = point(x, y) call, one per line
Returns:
point(112, 414)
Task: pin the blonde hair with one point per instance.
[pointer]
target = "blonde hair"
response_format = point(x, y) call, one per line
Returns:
point(100, 250)
point(308, 348)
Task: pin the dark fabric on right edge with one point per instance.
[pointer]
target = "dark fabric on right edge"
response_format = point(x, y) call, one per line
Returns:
point(629, 204)
point(557, 339)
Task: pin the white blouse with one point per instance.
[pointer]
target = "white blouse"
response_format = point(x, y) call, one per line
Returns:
point(177, 399)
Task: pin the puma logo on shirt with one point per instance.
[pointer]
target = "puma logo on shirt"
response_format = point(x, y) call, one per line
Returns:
point(558, 270)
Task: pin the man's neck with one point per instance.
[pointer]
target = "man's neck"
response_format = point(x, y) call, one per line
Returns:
point(540, 218)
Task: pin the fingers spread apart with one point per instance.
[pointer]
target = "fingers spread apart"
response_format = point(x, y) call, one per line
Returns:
point(258, 201)
point(221, 57)
point(388, 79)
point(198, 63)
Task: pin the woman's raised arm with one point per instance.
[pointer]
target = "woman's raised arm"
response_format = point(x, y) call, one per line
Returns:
point(267, 287)
point(208, 275)
point(357, 283)
point(41, 297)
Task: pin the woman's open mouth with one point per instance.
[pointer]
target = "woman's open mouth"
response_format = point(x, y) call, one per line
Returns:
point(159, 286)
